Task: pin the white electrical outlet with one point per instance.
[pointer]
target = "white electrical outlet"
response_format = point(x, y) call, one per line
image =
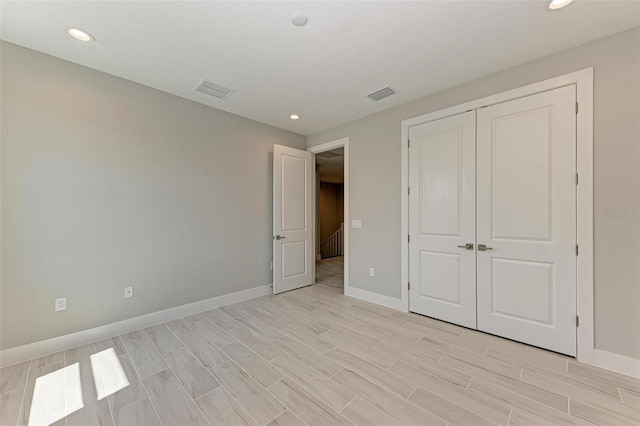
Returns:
point(372, 272)
point(61, 304)
point(356, 223)
point(128, 292)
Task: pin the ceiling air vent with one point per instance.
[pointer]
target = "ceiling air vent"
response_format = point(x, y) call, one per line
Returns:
point(214, 90)
point(381, 94)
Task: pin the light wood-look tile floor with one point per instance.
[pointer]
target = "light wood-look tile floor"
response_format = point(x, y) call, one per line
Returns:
point(330, 272)
point(313, 356)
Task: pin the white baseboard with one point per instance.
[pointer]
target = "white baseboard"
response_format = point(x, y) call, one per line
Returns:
point(378, 299)
point(29, 351)
point(615, 362)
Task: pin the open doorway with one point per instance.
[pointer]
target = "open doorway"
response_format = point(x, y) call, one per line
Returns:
point(330, 218)
point(331, 243)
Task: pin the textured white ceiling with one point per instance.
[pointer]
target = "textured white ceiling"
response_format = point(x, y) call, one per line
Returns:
point(322, 71)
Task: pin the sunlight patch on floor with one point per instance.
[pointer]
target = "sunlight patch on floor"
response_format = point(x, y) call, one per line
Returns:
point(108, 374)
point(56, 395)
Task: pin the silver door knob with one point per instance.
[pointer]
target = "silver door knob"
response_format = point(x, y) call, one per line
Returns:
point(482, 247)
point(278, 237)
point(468, 246)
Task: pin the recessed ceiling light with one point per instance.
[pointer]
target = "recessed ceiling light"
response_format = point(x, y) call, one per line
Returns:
point(294, 117)
point(558, 4)
point(299, 19)
point(79, 34)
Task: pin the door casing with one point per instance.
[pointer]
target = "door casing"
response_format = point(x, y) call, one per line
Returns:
point(583, 80)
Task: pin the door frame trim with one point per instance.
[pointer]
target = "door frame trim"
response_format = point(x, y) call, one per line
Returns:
point(583, 79)
point(316, 149)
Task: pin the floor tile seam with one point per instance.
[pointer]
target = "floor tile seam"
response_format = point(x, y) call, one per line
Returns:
point(140, 378)
point(24, 392)
point(314, 393)
point(519, 395)
point(349, 403)
point(172, 370)
point(282, 402)
point(291, 354)
point(231, 394)
point(454, 403)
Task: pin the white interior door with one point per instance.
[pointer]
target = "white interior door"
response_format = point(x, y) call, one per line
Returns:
point(442, 261)
point(526, 204)
point(292, 218)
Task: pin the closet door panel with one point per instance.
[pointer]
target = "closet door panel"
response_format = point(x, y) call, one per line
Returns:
point(442, 218)
point(526, 217)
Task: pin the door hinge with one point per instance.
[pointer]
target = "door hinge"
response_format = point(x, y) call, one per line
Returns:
point(408, 238)
point(408, 191)
point(408, 143)
point(577, 179)
point(576, 107)
point(577, 250)
point(577, 321)
point(409, 286)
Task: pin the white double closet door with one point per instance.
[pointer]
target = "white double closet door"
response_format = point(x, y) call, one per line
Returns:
point(492, 219)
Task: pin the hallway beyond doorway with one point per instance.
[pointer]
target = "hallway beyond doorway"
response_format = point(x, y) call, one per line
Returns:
point(330, 272)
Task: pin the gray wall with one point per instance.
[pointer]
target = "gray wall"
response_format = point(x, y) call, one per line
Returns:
point(375, 179)
point(107, 183)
